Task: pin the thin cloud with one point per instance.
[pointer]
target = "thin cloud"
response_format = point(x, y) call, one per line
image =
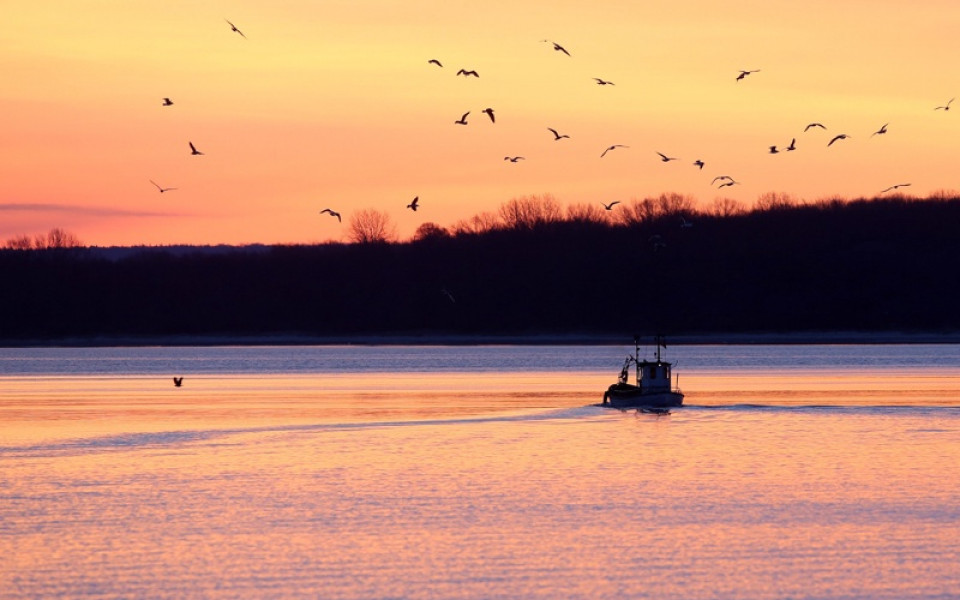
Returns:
point(69, 209)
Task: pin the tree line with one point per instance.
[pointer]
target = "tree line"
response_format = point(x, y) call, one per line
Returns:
point(655, 265)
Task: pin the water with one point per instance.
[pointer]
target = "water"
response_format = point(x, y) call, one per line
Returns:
point(477, 472)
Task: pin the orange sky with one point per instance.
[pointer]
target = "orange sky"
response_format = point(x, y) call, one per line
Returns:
point(333, 104)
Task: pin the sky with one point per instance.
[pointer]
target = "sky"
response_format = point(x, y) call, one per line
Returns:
point(333, 104)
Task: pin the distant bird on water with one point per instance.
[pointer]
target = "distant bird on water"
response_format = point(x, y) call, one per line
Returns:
point(893, 187)
point(880, 131)
point(556, 134)
point(467, 73)
point(414, 204)
point(462, 120)
point(945, 106)
point(167, 102)
point(513, 159)
point(820, 125)
point(842, 136)
point(434, 61)
point(557, 47)
point(666, 158)
point(332, 213)
point(162, 189)
point(613, 147)
point(745, 73)
point(178, 381)
point(234, 28)
point(602, 81)
point(489, 113)
point(611, 205)
point(194, 151)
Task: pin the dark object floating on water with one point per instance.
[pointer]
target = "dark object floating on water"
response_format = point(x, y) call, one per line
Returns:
point(178, 381)
point(653, 389)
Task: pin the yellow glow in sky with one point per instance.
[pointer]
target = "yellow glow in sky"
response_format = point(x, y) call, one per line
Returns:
point(334, 104)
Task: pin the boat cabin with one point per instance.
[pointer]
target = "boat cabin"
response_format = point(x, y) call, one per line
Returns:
point(653, 376)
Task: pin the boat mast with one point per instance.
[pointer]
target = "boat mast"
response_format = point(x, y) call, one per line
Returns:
point(636, 356)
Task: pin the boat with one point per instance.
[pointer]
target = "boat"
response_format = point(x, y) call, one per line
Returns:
point(653, 387)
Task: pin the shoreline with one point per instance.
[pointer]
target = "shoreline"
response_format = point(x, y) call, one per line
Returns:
point(538, 339)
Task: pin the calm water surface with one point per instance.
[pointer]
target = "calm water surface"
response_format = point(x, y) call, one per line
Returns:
point(478, 472)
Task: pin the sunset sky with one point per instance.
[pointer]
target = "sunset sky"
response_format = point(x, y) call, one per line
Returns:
point(333, 104)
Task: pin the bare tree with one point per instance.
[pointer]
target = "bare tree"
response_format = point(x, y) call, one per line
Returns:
point(480, 223)
point(528, 212)
point(726, 207)
point(430, 231)
point(586, 213)
point(21, 242)
point(371, 226)
point(775, 201)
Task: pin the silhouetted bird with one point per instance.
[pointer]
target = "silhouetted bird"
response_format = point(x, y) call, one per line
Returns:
point(556, 134)
point(434, 61)
point(513, 159)
point(558, 47)
point(698, 163)
point(167, 102)
point(234, 28)
point(727, 183)
point(489, 113)
point(792, 146)
point(945, 106)
point(666, 158)
point(721, 178)
point(745, 73)
point(467, 73)
point(602, 81)
point(414, 204)
point(611, 205)
point(194, 151)
point(332, 213)
point(880, 131)
point(162, 189)
point(893, 187)
point(773, 150)
point(842, 136)
point(462, 120)
point(820, 125)
point(613, 147)
point(178, 381)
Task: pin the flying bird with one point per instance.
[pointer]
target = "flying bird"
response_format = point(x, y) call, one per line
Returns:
point(820, 125)
point(489, 113)
point(842, 136)
point(178, 381)
point(773, 150)
point(893, 187)
point(194, 151)
point(558, 47)
point(945, 106)
point(792, 146)
point(167, 102)
point(414, 204)
point(234, 28)
point(602, 81)
point(699, 164)
point(467, 73)
point(727, 184)
point(666, 158)
point(613, 147)
point(721, 178)
point(556, 134)
point(332, 213)
point(880, 131)
point(434, 61)
point(162, 189)
point(745, 73)
point(463, 119)
point(611, 205)
point(513, 159)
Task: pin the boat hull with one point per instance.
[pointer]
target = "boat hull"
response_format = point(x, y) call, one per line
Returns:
point(624, 395)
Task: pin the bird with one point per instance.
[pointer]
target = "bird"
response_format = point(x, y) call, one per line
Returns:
point(773, 150)
point(602, 81)
point(434, 61)
point(721, 178)
point(613, 147)
point(558, 47)
point(414, 204)
point(513, 159)
point(167, 102)
point(945, 106)
point(728, 183)
point(666, 158)
point(611, 205)
point(880, 131)
point(556, 134)
point(467, 73)
point(820, 125)
point(162, 189)
point(745, 73)
point(684, 223)
point(792, 146)
point(893, 187)
point(234, 28)
point(842, 136)
point(332, 213)
point(463, 119)
point(699, 164)
point(194, 151)
point(178, 381)
point(489, 113)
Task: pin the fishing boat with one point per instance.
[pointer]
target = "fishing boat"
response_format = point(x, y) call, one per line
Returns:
point(653, 387)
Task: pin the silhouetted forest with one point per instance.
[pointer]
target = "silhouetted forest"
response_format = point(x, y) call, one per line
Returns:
point(878, 265)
